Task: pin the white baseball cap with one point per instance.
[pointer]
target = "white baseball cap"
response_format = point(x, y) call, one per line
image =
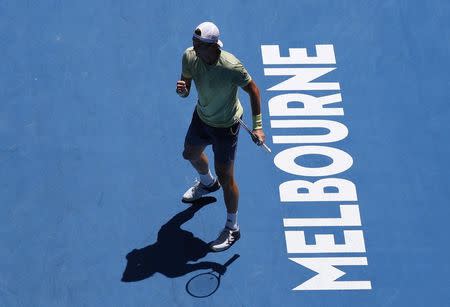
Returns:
point(208, 32)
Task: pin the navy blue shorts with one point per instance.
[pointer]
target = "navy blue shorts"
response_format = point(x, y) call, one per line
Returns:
point(223, 140)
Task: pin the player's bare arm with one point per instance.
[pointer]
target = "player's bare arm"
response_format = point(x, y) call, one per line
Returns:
point(255, 100)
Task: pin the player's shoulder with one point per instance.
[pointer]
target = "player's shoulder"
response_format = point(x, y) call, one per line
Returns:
point(229, 59)
point(189, 53)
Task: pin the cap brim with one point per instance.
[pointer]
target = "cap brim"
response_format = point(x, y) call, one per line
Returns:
point(219, 42)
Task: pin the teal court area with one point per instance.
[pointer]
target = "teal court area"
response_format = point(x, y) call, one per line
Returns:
point(350, 209)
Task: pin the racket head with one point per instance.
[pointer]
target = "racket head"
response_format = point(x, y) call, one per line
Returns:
point(203, 285)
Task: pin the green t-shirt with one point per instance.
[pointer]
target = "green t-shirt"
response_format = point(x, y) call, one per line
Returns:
point(217, 87)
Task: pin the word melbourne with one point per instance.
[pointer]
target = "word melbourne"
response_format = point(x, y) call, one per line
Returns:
point(295, 100)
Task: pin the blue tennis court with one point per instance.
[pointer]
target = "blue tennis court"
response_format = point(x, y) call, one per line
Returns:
point(350, 208)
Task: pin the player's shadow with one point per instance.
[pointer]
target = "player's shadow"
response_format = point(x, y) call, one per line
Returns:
point(172, 251)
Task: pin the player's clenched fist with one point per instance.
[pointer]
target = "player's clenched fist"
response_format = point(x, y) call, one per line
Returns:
point(181, 88)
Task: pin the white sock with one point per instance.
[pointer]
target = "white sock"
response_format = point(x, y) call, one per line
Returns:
point(207, 179)
point(232, 221)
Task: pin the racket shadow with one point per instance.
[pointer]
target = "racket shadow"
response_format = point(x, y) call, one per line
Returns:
point(206, 284)
point(172, 251)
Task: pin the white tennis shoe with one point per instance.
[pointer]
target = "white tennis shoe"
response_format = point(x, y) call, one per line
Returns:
point(199, 190)
point(226, 239)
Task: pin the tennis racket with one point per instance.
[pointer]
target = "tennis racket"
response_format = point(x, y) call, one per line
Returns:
point(254, 137)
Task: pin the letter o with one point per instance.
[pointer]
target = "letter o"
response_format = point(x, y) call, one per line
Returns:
point(285, 160)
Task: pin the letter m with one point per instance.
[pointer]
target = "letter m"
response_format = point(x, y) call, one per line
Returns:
point(327, 274)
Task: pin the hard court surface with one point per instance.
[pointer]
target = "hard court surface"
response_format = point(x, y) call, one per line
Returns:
point(91, 136)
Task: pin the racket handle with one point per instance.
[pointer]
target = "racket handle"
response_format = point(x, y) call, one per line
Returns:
point(266, 147)
point(252, 134)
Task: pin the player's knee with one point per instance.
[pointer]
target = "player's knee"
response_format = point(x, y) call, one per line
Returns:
point(187, 155)
point(190, 155)
point(224, 174)
point(225, 179)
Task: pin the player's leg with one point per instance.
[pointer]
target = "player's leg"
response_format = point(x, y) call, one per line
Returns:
point(207, 183)
point(196, 141)
point(225, 174)
point(224, 147)
point(195, 155)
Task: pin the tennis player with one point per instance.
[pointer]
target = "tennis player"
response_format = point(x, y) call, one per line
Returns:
point(217, 75)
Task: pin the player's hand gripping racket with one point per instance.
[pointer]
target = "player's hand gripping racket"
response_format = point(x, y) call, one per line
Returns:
point(205, 284)
point(254, 137)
